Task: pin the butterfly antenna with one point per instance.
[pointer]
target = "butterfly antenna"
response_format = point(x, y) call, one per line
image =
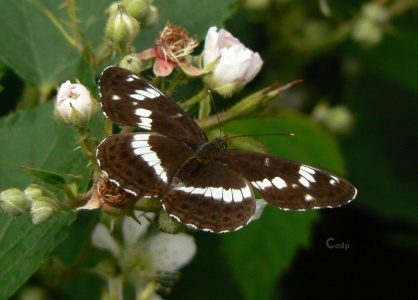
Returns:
point(216, 112)
point(265, 134)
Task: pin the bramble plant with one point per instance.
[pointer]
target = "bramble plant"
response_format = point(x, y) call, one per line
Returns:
point(141, 248)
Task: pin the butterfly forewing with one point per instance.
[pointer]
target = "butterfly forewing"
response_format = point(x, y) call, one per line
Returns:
point(131, 100)
point(210, 197)
point(288, 184)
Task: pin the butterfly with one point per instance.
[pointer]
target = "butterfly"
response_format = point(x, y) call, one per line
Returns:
point(201, 183)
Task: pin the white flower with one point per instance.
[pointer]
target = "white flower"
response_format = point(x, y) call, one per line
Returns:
point(142, 259)
point(74, 104)
point(232, 64)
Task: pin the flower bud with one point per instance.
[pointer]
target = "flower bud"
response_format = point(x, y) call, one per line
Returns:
point(114, 7)
point(14, 202)
point(337, 119)
point(33, 193)
point(232, 65)
point(151, 18)
point(138, 9)
point(367, 32)
point(131, 63)
point(121, 27)
point(367, 28)
point(74, 104)
point(375, 11)
point(42, 210)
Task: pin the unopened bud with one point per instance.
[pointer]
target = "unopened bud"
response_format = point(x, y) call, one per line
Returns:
point(337, 119)
point(33, 193)
point(42, 207)
point(138, 9)
point(131, 63)
point(151, 18)
point(41, 211)
point(367, 32)
point(121, 27)
point(114, 7)
point(74, 104)
point(14, 202)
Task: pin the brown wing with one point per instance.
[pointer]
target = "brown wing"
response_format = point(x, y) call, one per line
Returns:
point(131, 100)
point(211, 198)
point(141, 163)
point(288, 184)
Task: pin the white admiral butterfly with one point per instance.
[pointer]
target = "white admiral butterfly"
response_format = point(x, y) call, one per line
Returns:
point(200, 182)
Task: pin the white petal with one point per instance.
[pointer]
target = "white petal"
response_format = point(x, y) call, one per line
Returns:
point(132, 231)
point(64, 92)
point(102, 239)
point(115, 288)
point(211, 50)
point(171, 252)
point(226, 39)
point(259, 208)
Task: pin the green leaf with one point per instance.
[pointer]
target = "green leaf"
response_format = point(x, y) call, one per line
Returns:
point(37, 45)
point(260, 253)
point(33, 138)
point(47, 177)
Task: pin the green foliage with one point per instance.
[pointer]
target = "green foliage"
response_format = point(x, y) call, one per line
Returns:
point(32, 139)
point(45, 43)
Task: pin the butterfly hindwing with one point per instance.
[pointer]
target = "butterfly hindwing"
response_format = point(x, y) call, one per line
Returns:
point(211, 197)
point(131, 100)
point(288, 184)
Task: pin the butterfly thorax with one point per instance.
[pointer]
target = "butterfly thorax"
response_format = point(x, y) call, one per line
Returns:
point(207, 152)
point(204, 155)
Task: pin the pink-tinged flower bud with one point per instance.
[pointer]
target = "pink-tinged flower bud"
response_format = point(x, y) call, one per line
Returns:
point(74, 104)
point(232, 65)
point(121, 27)
point(138, 9)
point(14, 202)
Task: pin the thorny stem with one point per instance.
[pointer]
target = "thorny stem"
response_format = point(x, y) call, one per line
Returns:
point(73, 24)
point(174, 83)
point(88, 146)
point(195, 99)
point(76, 203)
point(246, 106)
